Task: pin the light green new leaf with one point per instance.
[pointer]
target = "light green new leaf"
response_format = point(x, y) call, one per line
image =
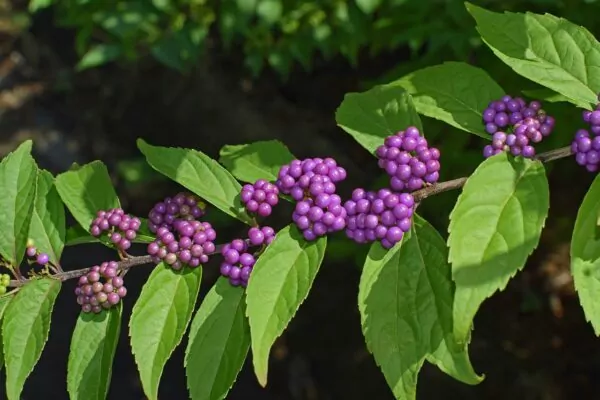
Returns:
point(18, 174)
point(550, 96)
point(258, 160)
point(87, 190)
point(218, 342)
point(585, 255)
point(546, 49)
point(25, 329)
point(4, 301)
point(199, 173)
point(93, 347)
point(279, 283)
point(405, 301)
point(495, 225)
point(36, 5)
point(48, 229)
point(159, 320)
point(454, 92)
point(369, 117)
point(98, 55)
point(368, 6)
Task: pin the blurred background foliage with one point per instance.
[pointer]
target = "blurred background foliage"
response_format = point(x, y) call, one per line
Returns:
point(282, 34)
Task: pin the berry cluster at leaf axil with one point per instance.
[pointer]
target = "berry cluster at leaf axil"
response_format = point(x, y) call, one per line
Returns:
point(586, 143)
point(121, 228)
point(238, 261)
point(260, 198)
point(515, 126)
point(181, 238)
point(101, 288)
point(408, 160)
point(312, 183)
point(381, 215)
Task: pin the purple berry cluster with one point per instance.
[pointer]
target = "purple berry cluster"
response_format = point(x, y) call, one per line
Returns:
point(382, 216)
point(34, 255)
point(312, 183)
point(593, 119)
point(308, 178)
point(260, 198)
point(190, 242)
point(515, 126)
point(237, 261)
point(586, 143)
point(408, 160)
point(122, 228)
point(319, 216)
point(587, 150)
point(101, 288)
point(183, 206)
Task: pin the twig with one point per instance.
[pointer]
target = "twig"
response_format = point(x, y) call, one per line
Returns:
point(419, 195)
point(124, 265)
point(441, 187)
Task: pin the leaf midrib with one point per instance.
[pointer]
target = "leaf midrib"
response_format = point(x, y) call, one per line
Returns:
point(226, 343)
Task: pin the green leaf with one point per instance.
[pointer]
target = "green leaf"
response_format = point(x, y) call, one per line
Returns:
point(87, 190)
point(258, 160)
point(25, 329)
point(369, 117)
point(280, 281)
point(98, 55)
point(495, 225)
point(93, 347)
point(4, 301)
point(585, 255)
point(368, 6)
point(47, 229)
point(545, 94)
point(18, 175)
point(218, 342)
point(199, 173)
point(405, 301)
point(454, 92)
point(159, 320)
point(545, 49)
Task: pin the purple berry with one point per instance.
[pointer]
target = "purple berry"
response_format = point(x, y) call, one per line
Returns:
point(43, 259)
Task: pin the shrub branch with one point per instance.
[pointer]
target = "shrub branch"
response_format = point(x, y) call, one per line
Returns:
point(419, 195)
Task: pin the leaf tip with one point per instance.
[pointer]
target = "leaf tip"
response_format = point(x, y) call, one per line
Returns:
point(141, 143)
point(261, 377)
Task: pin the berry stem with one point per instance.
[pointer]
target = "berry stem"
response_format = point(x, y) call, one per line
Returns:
point(441, 187)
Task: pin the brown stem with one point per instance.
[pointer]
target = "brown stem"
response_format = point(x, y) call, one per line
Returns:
point(437, 188)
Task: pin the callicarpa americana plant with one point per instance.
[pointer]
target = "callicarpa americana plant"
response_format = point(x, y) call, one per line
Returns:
point(418, 293)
